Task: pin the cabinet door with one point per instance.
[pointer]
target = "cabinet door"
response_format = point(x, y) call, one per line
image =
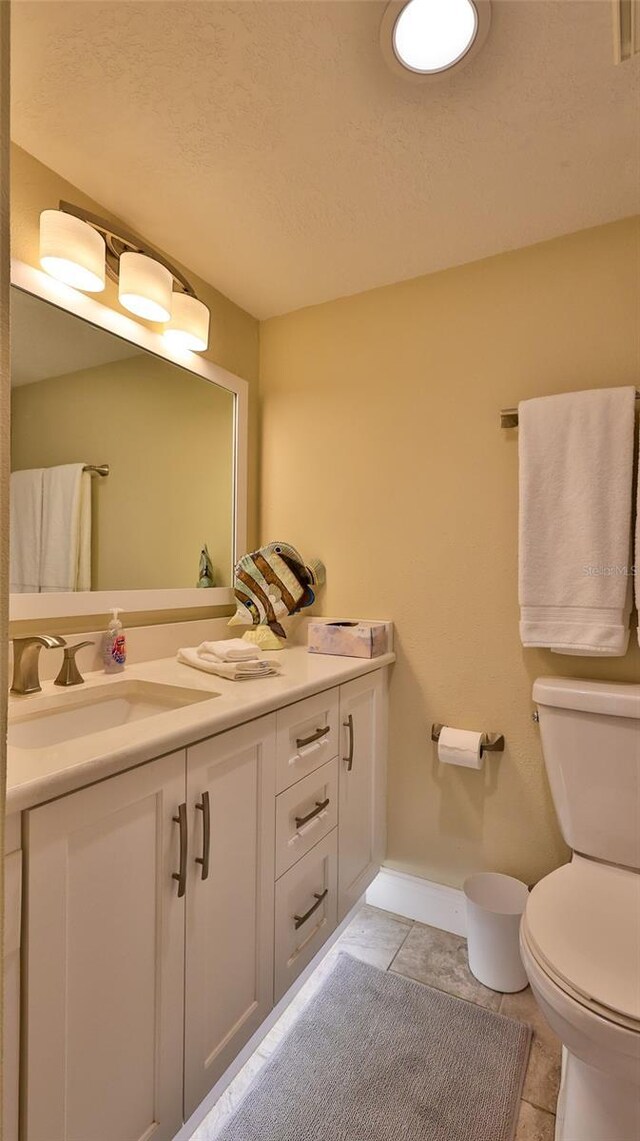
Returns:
point(229, 945)
point(11, 996)
point(105, 961)
point(361, 816)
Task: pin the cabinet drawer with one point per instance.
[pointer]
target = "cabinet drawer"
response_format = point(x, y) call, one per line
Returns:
point(307, 736)
point(305, 813)
point(306, 910)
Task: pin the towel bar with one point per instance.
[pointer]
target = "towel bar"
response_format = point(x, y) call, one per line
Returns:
point(509, 416)
point(97, 469)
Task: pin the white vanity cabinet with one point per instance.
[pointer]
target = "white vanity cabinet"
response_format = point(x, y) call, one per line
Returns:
point(169, 906)
point(230, 889)
point(361, 835)
point(330, 824)
point(11, 992)
point(104, 979)
point(125, 993)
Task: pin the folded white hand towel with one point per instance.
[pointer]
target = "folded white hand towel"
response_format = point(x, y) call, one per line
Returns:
point(576, 474)
point(255, 668)
point(234, 671)
point(231, 650)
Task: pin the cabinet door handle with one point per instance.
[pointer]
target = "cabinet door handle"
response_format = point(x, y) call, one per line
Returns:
point(205, 808)
point(320, 807)
point(298, 920)
point(181, 876)
point(302, 742)
point(348, 724)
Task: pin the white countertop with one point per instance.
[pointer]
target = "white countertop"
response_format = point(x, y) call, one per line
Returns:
point(36, 775)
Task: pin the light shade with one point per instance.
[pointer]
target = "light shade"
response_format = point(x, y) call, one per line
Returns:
point(189, 324)
point(145, 287)
point(433, 35)
point(72, 251)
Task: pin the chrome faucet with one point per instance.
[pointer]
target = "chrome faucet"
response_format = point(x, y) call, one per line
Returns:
point(26, 655)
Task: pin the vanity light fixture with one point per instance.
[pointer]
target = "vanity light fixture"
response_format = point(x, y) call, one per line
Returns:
point(72, 251)
point(80, 248)
point(145, 287)
point(422, 39)
point(188, 327)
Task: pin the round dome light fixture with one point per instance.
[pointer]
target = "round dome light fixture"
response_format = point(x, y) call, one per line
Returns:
point(423, 39)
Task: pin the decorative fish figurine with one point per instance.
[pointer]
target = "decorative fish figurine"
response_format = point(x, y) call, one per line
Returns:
point(205, 574)
point(271, 583)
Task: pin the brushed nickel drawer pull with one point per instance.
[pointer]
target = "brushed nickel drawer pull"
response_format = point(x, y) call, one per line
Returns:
point(301, 742)
point(205, 808)
point(181, 876)
point(348, 724)
point(320, 807)
point(298, 920)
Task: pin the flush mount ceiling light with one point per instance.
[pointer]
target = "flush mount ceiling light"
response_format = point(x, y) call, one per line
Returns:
point(80, 249)
point(424, 39)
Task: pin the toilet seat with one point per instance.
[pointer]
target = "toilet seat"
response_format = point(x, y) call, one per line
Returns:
point(582, 925)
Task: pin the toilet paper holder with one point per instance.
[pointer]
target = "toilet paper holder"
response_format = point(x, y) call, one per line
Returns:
point(491, 742)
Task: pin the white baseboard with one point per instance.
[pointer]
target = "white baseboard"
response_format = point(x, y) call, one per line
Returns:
point(415, 898)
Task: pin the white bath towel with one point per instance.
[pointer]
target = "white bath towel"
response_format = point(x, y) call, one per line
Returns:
point(231, 650)
point(65, 564)
point(83, 580)
point(576, 472)
point(25, 530)
point(234, 671)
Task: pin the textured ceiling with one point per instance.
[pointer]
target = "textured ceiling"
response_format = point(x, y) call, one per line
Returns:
point(268, 147)
point(47, 341)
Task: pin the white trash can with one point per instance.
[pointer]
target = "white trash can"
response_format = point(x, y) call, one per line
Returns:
point(495, 904)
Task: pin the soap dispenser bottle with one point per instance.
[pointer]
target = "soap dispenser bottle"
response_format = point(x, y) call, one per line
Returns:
point(115, 645)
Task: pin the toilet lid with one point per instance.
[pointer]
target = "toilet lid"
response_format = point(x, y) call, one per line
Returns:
point(583, 925)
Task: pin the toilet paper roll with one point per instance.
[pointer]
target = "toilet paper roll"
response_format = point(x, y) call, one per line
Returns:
point(460, 747)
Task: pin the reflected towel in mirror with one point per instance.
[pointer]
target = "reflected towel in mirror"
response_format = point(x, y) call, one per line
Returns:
point(26, 530)
point(66, 529)
point(51, 529)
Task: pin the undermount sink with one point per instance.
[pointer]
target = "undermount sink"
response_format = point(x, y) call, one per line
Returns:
point(50, 720)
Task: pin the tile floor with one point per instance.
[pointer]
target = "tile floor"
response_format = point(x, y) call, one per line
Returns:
point(438, 959)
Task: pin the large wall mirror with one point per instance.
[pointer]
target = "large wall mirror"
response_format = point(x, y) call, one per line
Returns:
point(125, 462)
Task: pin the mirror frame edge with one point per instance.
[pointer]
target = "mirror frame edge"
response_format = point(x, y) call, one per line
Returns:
point(66, 605)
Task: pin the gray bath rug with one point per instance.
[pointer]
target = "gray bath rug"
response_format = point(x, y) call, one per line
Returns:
point(377, 1057)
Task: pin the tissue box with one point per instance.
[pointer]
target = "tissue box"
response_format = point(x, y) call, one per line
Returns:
point(348, 639)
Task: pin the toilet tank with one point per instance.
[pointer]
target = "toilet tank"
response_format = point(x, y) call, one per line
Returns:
point(590, 734)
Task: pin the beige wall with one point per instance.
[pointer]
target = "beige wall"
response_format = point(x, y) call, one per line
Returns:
point(234, 333)
point(168, 438)
point(382, 454)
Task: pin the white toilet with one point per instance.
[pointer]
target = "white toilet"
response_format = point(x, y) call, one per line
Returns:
point(580, 933)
